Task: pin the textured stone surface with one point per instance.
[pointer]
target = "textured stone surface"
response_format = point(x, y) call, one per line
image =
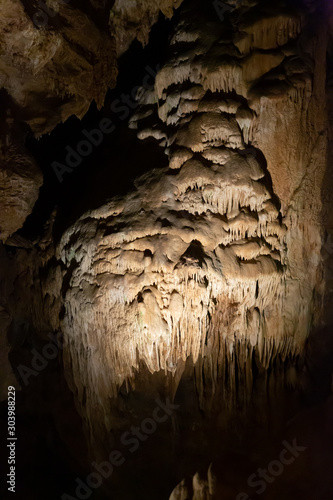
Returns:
point(54, 62)
point(134, 19)
point(20, 177)
point(206, 279)
point(209, 257)
point(55, 70)
point(51, 67)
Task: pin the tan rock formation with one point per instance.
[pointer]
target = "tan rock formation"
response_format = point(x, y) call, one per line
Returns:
point(130, 20)
point(206, 279)
point(217, 256)
point(56, 59)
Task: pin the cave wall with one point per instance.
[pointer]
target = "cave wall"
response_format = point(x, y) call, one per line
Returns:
point(56, 60)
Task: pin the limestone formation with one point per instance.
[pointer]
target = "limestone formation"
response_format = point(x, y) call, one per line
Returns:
point(210, 257)
point(55, 60)
point(210, 280)
point(133, 20)
point(20, 177)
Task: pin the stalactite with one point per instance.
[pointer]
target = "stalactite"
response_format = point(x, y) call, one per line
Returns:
point(201, 267)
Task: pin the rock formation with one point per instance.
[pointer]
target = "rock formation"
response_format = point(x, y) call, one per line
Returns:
point(56, 59)
point(209, 257)
point(209, 282)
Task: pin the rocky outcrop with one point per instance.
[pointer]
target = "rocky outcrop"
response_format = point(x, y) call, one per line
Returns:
point(209, 257)
point(55, 61)
point(57, 58)
point(204, 281)
point(133, 20)
point(20, 177)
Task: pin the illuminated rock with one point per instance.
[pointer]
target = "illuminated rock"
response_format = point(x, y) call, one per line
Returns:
point(217, 256)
